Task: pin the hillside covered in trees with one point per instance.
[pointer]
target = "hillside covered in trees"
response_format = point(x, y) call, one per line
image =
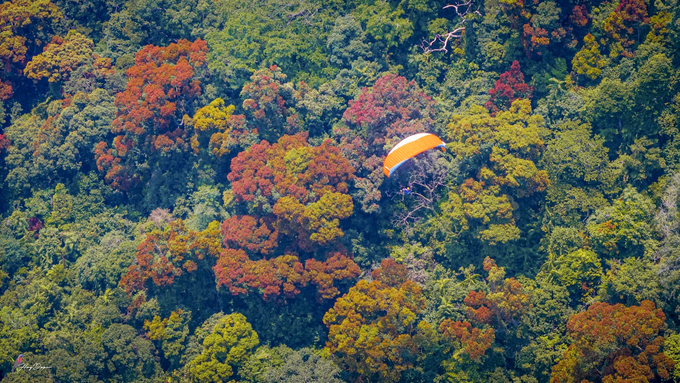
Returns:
point(192, 191)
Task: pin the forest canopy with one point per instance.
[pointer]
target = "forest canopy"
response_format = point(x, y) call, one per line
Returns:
point(193, 191)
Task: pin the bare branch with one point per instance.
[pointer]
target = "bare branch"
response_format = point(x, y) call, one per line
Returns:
point(427, 177)
point(440, 43)
point(442, 40)
point(467, 5)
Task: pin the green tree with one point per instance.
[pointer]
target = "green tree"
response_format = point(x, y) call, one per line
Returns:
point(128, 357)
point(631, 282)
point(52, 149)
point(582, 175)
point(384, 25)
point(588, 61)
point(346, 42)
point(228, 346)
point(625, 228)
point(498, 167)
point(304, 366)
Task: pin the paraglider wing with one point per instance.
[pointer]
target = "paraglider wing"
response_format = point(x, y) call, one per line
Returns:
point(410, 147)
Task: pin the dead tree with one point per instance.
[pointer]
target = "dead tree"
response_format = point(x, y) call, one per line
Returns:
point(428, 176)
point(440, 42)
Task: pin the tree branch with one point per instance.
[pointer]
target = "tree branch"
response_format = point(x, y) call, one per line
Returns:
point(426, 178)
point(440, 42)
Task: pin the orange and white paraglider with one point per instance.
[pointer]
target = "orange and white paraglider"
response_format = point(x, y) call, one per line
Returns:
point(410, 147)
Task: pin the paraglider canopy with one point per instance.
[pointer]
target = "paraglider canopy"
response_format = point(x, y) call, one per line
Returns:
point(410, 147)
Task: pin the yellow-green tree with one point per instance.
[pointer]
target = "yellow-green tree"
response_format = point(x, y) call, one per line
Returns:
point(170, 333)
point(22, 24)
point(498, 156)
point(228, 346)
point(589, 61)
point(219, 129)
point(61, 57)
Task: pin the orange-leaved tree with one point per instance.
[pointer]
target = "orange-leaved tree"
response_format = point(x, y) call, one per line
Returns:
point(374, 331)
point(472, 341)
point(615, 343)
point(304, 187)
point(162, 87)
point(284, 275)
point(23, 24)
point(169, 253)
point(501, 307)
point(296, 195)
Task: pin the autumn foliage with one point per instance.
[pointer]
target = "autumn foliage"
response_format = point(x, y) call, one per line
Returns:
point(337, 268)
point(64, 55)
point(161, 87)
point(381, 116)
point(217, 128)
point(304, 187)
point(505, 302)
point(171, 167)
point(508, 88)
point(248, 233)
point(615, 343)
point(282, 276)
point(20, 20)
point(169, 253)
point(373, 329)
point(4, 142)
point(473, 340)
point(623, 25)
point(296, 194)
point(240, 275)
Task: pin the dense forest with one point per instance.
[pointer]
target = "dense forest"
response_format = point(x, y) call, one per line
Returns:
point(192, 191)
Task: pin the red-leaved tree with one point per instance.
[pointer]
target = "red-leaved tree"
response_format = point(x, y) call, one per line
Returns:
point(615, 343)
point(508, 88)
point(161, 88)
point(167, 254)
point(375, 121)
point(296, 195)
